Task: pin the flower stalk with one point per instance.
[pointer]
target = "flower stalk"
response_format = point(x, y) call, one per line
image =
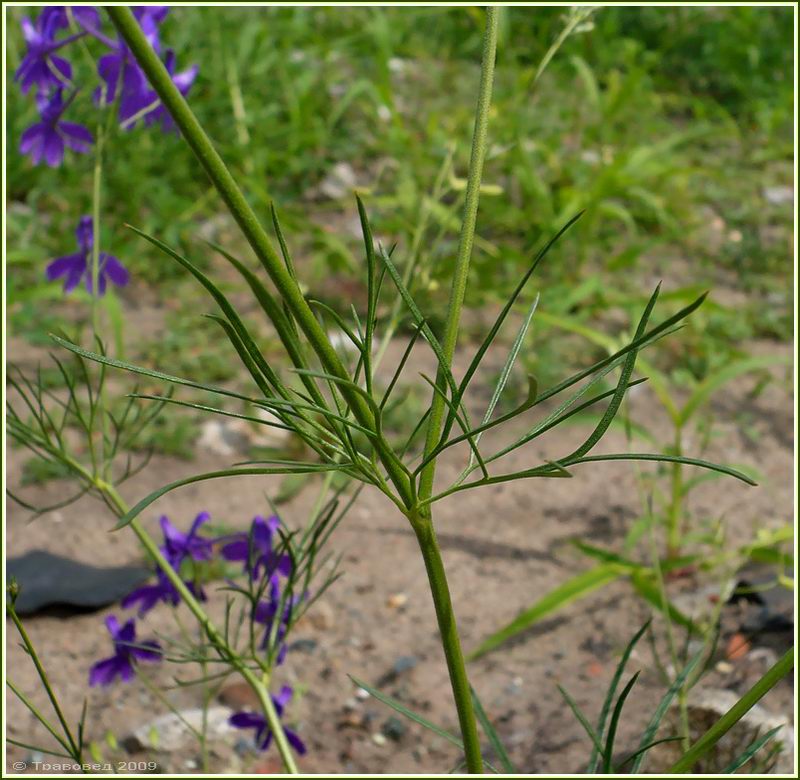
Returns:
point(465, 242)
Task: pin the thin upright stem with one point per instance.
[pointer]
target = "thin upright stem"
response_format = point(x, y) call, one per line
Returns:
point(74, 748)
point(451, 643)
point(465, 242)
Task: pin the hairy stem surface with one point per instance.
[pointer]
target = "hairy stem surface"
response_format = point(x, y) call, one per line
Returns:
point(465, 242)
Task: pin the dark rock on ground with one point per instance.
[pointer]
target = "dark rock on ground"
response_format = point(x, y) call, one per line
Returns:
point(48, 581)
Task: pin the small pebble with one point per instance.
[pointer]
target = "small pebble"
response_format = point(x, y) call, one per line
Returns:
point(304, 645)
point(404, 663)
point(397, 600)
point(379, 739)
point(394, 729)
point(362, 694)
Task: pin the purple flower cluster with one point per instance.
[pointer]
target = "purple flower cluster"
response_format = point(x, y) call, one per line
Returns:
point(77, 267)
point(265, 565)
point(123, 81)
point(177, 548)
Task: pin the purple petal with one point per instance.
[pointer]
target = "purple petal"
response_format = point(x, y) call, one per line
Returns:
point(67, 264)
point(264, 612)
point(125, 670)
point(73, 280)
point(236, 551)
point(112, 624)
point(108, 67)
point(263, 531)
point(87, 17)
point(148, 595)
point(30, 138)
point(247, 720)
point(84, 233)
point(172, 536)
point(295, 741)
point(203, 517)
point(76, 137)
point(113, 269)
point(53, 149)
point(184, 80)
point(147, 651)
point(127, 634)
point(52, 19)
point(60, 69)
point(104, 672)
point(284, 697)
point(29, 32)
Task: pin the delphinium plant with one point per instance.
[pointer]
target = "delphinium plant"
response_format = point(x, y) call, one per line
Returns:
point(335, 407)
point(279, 573)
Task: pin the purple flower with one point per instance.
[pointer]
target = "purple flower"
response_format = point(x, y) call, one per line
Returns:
point(162, 591)
point(54, 17)
point(118, 69)
point(256, 549)
point(41, 66)
point(77, 266)
point(46, 140)
point(263, 734)
point(183, 81)
point(126, 651)
point(177, 547)
point(265, 613)
point(149, 17)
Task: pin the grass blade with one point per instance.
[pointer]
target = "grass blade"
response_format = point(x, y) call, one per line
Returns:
point(661, 710)
point(576, 711)
point(751, 750)
point(612, 690)
point(612, 726)
point(494, 737)
point(573, 589)
point(403, 710)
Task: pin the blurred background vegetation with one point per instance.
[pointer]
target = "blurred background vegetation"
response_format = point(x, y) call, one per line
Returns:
point(671, 126)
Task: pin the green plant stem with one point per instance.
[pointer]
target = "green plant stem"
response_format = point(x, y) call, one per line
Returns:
point(256, 236)
point(422, 524)
point(156, 693)
point(31, 650)
point(465, 242)
point(733, 715)
point(259, 688)
point(683, 701)
point(674, 521)
point(451, 642)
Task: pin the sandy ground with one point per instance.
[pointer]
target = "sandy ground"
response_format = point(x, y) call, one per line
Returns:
point(504, 547)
